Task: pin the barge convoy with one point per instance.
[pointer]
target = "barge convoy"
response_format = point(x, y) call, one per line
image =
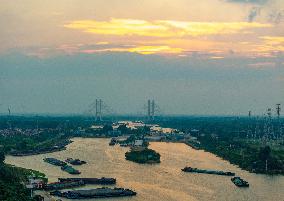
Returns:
point(94, 193)
point(62, 164)
point(196, 170)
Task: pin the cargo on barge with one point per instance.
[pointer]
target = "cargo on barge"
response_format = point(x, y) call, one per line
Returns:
point(102, 181)
point(94, 193)
point(196, 170)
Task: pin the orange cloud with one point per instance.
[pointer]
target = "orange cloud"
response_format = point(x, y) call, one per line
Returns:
point(273, 40)
point(270, 44)
point(139, 50)
point(162, 28)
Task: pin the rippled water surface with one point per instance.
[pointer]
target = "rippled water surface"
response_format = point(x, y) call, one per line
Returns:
point(161, 182)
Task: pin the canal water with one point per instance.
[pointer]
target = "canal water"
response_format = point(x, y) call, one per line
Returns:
point(159, 182)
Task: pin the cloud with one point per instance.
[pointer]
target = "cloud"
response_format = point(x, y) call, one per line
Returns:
point(216, 57)
point(273, 40)
point(271, 46)
point(249, 1)
point(138, 49)
point(161, 28)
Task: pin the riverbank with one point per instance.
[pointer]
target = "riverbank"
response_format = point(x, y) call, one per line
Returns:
point(57, 146)
point(250, 156)
point(12, 182)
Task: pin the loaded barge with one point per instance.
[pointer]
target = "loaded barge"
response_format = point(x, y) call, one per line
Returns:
point(62, 164)
point(75, 161)
point(102, 181)
point(63, 185)
point(94, 193)
point(190, 169)
point(54, 161)
point(70, 169)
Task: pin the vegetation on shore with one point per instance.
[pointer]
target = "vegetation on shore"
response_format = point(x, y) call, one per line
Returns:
point(224, 136)
point(227, 137)
point(13, 179)
point(143, 155)
point(252, 156)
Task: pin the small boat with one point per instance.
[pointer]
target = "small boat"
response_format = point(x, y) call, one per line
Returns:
point(75, 161)
point(112, 142)
point(239, 182)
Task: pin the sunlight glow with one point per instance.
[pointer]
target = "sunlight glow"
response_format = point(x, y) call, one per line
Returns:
point(162, 28)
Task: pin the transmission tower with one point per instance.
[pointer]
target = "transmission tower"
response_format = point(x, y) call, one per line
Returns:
point(151, 109)
point(278, 110)
point(99, 103)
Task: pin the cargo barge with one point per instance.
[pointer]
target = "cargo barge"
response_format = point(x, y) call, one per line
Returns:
point(101, 181)
point(54, 161)
point(75, 161)
point(70, 169)
point(239, 182)
point(63, 185)
point(94, 193)
point(196, 170)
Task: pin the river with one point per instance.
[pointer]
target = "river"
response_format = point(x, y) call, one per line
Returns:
point(159, 182)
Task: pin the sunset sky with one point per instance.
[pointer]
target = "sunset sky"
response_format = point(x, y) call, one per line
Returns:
point(207, 57)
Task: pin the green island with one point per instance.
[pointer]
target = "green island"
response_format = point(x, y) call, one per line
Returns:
point(143, 155)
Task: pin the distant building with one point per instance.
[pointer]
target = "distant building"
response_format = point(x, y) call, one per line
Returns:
point(161, 130)
point(133, 125)
point(138, 143)
point(153, 138)
point(96, 127)
point(114, 132)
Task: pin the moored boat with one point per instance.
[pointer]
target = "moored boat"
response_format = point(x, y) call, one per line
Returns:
point(102, 181)
point(75, 161)
point(63, 185)
point(95, 193)
point(70, 169)
point(54, 161)
point(112, 142)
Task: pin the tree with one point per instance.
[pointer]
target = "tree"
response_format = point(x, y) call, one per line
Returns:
point(2, 157)
point(107, 128)
point(22, 145)
point(123, 129)
point(264, 153)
